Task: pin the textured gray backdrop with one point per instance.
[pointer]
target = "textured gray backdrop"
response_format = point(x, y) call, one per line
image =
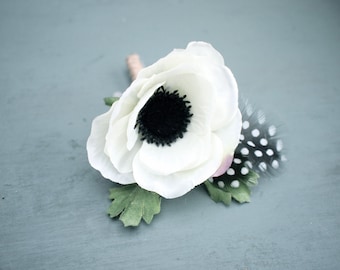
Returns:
point(58, 59)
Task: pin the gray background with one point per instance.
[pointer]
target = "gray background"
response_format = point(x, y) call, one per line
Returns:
point(58, 59)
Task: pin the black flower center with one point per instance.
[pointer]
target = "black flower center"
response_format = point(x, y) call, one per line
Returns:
point(164, 118)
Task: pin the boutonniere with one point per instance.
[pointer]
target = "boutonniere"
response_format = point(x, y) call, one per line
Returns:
point(179, 125)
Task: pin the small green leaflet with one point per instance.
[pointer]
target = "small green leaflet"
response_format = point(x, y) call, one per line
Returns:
point(240, 194)
point(132, 204)
point(224, 194)
point(217, 194)
point(110, 100)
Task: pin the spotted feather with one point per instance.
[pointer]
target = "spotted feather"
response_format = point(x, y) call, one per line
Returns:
point(260, 150)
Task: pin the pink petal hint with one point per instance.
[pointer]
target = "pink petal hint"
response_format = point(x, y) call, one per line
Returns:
point(224, 166)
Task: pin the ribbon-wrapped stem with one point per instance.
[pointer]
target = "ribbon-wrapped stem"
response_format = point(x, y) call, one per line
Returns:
point(134, 65)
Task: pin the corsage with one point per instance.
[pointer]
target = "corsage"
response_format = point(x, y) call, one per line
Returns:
point(177, 126)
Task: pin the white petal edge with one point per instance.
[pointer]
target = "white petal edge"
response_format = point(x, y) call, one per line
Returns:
point(116, 146)
point(227, 93)
point(224, 166)
point(205, 49)
point(195, 52)
point(184, 154)
point(95, 150)
point(230, 134)
point(178, 184)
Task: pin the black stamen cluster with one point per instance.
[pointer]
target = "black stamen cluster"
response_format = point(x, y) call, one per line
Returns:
point(164, 118)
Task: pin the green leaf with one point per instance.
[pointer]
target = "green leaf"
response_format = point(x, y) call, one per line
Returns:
point(225, 192)
point(132, 204)
point(241, 193)
point(251, 179)
point(217, 194)
point(110, 100)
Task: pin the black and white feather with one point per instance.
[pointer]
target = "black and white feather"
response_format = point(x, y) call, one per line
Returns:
point(260, 143)
point(260, 149)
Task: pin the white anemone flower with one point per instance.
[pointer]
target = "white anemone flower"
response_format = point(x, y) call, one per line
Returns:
point(175, 126)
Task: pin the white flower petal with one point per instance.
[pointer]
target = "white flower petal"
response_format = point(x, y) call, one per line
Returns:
point(208, 62)
point(116, 146)
point(194, 53)
point(127, 101)
point(230, 134)
point(220, 79)
point(177, 184)
point(132, 132)
point(205, 49)
point(182, 155)
point(227, 101)
point(165, 64)
point(95, 149)
point(224, 166)
point(187, 79)
point(195, 88)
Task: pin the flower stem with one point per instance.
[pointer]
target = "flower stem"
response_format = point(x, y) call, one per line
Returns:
point(134, 65)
